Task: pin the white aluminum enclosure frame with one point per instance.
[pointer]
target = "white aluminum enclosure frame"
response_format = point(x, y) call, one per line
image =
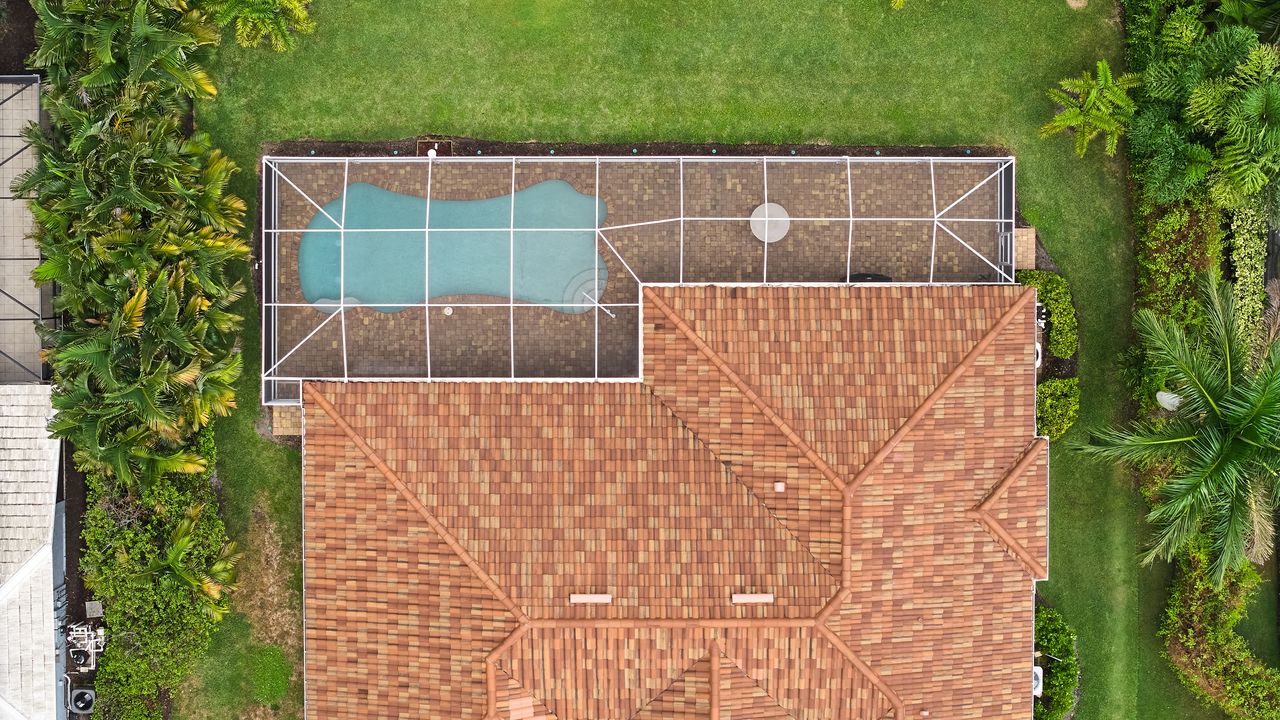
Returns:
point(275, 179)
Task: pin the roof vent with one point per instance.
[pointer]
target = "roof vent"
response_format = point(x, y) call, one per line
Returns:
point(590, 599)
point(753, 598)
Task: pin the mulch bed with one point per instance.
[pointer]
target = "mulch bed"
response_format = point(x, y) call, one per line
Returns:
point(446, 145)
point(73, 490)
point(17, 37)
point(1055, 367)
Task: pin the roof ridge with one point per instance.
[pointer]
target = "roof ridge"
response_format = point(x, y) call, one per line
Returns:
point(491, 671)
point(760, 501)
point(714, 654)
point(745, 388)
point(993, 525)
point(414, 502)
point(941, 389)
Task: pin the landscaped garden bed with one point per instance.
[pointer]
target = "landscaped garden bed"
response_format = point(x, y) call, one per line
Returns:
point(447, 145)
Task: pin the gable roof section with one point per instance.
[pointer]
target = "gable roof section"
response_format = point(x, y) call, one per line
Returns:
point(900, 550)
point(28, 490)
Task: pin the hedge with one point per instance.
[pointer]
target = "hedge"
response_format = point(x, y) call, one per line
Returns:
point(1249, 259)
point(1056, 653)
point(1057, 406)
point(1055, 295)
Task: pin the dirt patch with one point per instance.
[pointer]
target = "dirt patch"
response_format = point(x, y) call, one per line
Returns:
point(265, 595)
point(192, 687)
point(1078, 4)
point(259, 712)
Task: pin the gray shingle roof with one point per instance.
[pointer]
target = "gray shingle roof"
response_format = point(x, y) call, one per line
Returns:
point(28, 490)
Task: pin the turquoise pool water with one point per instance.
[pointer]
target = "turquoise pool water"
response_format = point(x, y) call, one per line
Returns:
point(389, 267)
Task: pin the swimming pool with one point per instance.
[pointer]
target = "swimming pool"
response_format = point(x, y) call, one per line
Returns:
point(550, 259)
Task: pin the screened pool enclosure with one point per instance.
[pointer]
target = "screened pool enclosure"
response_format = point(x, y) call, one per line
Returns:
point(532, 267)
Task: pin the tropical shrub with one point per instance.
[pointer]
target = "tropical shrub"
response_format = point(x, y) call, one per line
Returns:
point(1054, 293)
point(1261, 16)
point(1220, 445)
point(137, 229)
point(158, 621)
point(1093, 106)
point(1227, 87)
point(1249, 259)
point(1056, 653)
point(1143, 22)
point(1199, 631)
point(1170, 164)
point(275, 21)
point(1057, 406)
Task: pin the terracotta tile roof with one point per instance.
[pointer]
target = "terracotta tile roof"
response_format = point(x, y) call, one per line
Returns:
point(864, 454)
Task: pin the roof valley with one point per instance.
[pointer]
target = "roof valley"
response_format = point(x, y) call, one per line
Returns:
point(836, 578)
point(941, 389)
point(745, 388)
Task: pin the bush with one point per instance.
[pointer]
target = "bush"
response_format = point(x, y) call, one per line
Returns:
point(1056, 653)
point(1169, 165)
point(156, 629)
point(1142, 379)
point(1176, 244)
point(1210, 657)
point(1057, 406)
point(1055, 295)
point(1249, 260)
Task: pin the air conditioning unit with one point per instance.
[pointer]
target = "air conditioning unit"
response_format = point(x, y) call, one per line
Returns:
point(1037, 680)
point(81, 701)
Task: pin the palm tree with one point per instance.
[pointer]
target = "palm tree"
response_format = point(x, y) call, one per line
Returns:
point(1263, 16)
point(1092, 106)
point(94, 48)
point(258, 20)
point(1220, 448)
point(137, 230)
point(210, 586)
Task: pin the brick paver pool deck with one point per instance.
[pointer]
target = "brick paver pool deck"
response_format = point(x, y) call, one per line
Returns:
point(669, 220)
point(21, 302)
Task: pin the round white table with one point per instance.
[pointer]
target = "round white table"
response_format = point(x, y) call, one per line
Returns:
point(770, 222)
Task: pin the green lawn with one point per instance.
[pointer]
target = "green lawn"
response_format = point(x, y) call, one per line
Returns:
point(940, 72)
point(1259, 625)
